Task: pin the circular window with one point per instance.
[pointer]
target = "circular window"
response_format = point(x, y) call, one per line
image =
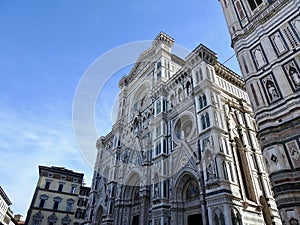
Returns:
point(183, 127)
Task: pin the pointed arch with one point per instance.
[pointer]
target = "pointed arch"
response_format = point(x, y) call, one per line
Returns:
point(98, 215)
point(186, 186)
point(225, 171)
point(236, 218)
point(52, 219)
point(207, 120)
point(37, 218)
point(66, 220)
point(240, 10)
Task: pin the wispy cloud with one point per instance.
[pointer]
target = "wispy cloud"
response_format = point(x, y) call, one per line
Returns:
point(29, 138)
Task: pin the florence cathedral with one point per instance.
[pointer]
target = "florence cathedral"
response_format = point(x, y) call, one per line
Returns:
point(183, 149)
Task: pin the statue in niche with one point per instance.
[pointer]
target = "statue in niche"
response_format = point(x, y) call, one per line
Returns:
point(272, 90)
point(125, 157)
point(144, 155)
point(297, 25)
point(210, 172)
point(294, 75)
point(278, 43)
point(213, 99)
point(156, 190)
point(259, 57)
point(232, 123)
point(182, 135)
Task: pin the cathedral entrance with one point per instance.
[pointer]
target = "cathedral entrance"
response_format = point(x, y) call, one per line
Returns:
point(187, 202)
point(195, 219)
point(135, 220)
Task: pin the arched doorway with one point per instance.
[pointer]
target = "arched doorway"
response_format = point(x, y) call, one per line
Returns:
point(132, 200)
point(187, 198)
point(98, 215)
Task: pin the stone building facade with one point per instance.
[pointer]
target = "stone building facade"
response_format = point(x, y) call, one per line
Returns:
point(81, 205)
point(55, 197)
point(266, 37)
point(6, 215)
point(183, 149)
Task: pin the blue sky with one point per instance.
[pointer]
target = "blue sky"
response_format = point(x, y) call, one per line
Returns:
point(46, 47)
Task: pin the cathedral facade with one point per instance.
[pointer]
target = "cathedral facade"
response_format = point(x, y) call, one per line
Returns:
point(266, 37)
point(183, 149)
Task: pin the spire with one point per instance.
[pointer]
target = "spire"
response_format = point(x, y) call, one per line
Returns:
point(163, 38)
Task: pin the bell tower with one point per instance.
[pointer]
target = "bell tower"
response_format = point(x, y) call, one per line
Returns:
point(265, 35)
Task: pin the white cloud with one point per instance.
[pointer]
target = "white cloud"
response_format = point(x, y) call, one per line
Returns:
point(29, 138)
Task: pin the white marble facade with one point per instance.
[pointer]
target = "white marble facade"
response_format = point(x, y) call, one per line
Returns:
point(183, 149)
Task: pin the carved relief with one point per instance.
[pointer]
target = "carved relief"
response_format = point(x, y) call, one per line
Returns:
point(275, 159)
point(294, 152)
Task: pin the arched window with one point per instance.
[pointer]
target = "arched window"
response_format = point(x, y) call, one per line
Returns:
point(56, 202)
point(200, 102)
point(204, 100)
point(219, 218)
point(254, 3)
point(69, 206)
point(37, 218)
point(197, 77)
point(201, 74)
point(43, 199)
point(240, 10)
point(236, 217)
point(52, 219)
point(66, 220)
point(208, 73)
point(216, 219)
point(203, 122)
point(207, 120)
point(225, 170)
point(222, 219)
